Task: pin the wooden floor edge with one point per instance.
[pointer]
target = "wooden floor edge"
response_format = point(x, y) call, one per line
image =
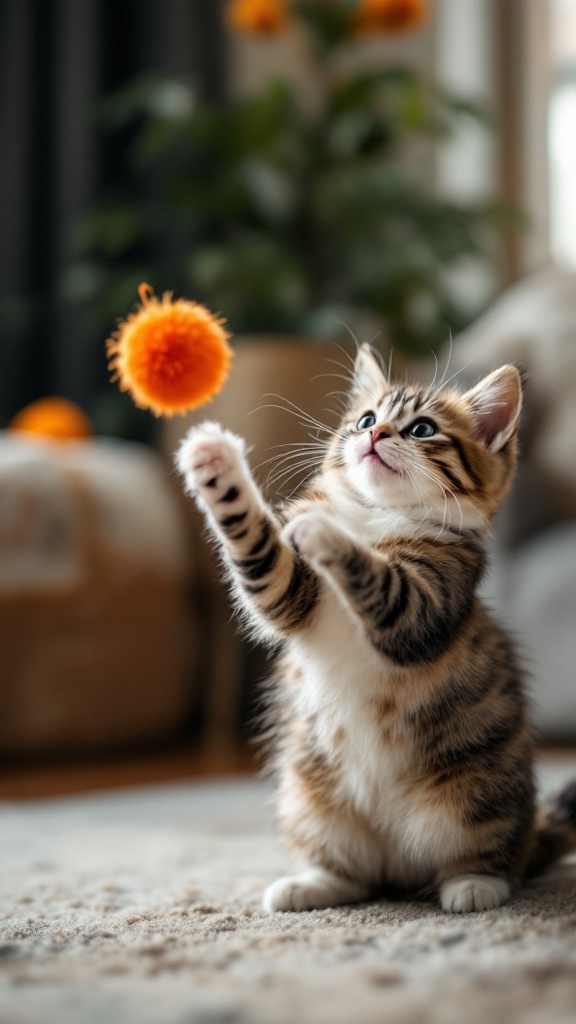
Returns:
point(61, 778)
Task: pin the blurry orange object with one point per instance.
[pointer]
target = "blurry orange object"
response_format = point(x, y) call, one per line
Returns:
point(264, 17)
point(170, 356)
point(389, 15)
point(53, 417)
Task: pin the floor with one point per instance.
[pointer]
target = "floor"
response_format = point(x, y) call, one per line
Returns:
point(144, 906)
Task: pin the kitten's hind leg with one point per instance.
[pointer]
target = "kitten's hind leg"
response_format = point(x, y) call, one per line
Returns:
point(314, 889)
point(464, 894)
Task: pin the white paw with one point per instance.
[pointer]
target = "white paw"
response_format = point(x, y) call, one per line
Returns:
point(466, 893)
point(314, 889)
point(314, 536)
point(211, 460)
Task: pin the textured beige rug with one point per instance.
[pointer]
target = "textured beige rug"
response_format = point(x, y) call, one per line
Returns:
point(143, 907)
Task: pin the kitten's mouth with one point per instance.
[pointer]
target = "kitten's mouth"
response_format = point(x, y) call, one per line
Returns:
point(376, 458)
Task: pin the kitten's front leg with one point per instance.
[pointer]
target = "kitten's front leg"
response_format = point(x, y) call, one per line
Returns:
point(319, 541)
point(269, 577)
point(212, 463)
point(365, 579)
point(400, 598)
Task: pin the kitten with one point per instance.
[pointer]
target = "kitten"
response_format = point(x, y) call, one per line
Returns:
point(403, 747)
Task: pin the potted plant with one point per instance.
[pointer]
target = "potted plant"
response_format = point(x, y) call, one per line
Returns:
point(291, 212)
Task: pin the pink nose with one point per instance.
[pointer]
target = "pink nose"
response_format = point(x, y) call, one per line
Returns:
point(378, 434)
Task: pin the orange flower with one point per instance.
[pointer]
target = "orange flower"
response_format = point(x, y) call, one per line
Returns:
point(263, 17)
point(53, 417)
point(170, 356)
point(389, 15)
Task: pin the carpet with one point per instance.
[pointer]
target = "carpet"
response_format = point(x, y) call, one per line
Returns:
point(143, 907)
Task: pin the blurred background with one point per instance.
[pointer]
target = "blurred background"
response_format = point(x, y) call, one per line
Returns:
point(400, 170)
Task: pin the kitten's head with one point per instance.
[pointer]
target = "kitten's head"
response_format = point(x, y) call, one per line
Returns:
point(450, 453)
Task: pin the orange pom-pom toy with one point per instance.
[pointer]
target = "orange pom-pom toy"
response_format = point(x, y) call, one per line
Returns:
point(389, 15)
point(170, 356)
point(263, 17)
point(56, 418)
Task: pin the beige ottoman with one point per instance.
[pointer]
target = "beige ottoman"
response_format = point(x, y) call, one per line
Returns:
point(96, 639)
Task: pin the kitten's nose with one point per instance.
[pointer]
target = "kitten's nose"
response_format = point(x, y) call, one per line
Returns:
point(379, 432)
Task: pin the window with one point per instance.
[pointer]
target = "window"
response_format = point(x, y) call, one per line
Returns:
point(562, 131)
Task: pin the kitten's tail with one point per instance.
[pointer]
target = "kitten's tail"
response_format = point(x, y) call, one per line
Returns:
point(555, 831)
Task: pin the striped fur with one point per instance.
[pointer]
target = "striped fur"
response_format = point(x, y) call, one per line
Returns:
point(401, 737)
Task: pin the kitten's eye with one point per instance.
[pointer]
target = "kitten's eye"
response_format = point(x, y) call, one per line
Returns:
point(365, 421)
point(422, 428)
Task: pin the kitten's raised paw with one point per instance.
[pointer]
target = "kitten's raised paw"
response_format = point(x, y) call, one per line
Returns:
point(314, 889)
point(314, 537)
point(209, 459)
point(465, 894)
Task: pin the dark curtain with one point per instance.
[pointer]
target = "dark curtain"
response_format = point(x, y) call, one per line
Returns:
point(58, 58)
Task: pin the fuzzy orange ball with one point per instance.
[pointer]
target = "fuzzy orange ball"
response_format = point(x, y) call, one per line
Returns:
point(262, 17)
point(170, 356)
point(56, 418)
point(390, 15)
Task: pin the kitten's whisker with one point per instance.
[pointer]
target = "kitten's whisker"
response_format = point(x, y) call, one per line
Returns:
point(280, 485)
point(279, 460)
point(303, 454)
point(301, 484)
point(291, 459)
point(331, 373)
point(295, 409)
point(341, 401)
point(354, 339)
point(291, 407)
point(445, 490)
point(287, 460)
point(318, 442)
point(348, 371)
point(290, 472)
point(336, 430)
point(414, 482)
point(448, 361)
point(306, 446)
point(448, 490)
point(444, 385)
point(426, 511)
point(433, 381)
point(341, 394)
point(306, 458)
point(429, 390)
point(305, 422)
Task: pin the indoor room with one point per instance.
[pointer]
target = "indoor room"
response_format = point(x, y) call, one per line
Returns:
point(288, 511)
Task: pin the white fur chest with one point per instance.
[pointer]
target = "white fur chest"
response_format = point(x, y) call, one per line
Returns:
point(343, 680)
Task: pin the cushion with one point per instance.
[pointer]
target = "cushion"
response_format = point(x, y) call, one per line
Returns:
point(95, 645)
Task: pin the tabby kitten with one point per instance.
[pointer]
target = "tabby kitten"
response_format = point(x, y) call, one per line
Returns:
point(403, 748)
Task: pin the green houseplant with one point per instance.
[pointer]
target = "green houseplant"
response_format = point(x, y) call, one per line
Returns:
point(290, 213)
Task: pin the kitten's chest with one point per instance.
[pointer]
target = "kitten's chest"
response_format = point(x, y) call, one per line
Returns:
point(353, 701)
point(348, 691)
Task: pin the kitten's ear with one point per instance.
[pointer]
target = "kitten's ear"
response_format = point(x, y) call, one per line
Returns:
point(368, 376)
point(496, 403)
